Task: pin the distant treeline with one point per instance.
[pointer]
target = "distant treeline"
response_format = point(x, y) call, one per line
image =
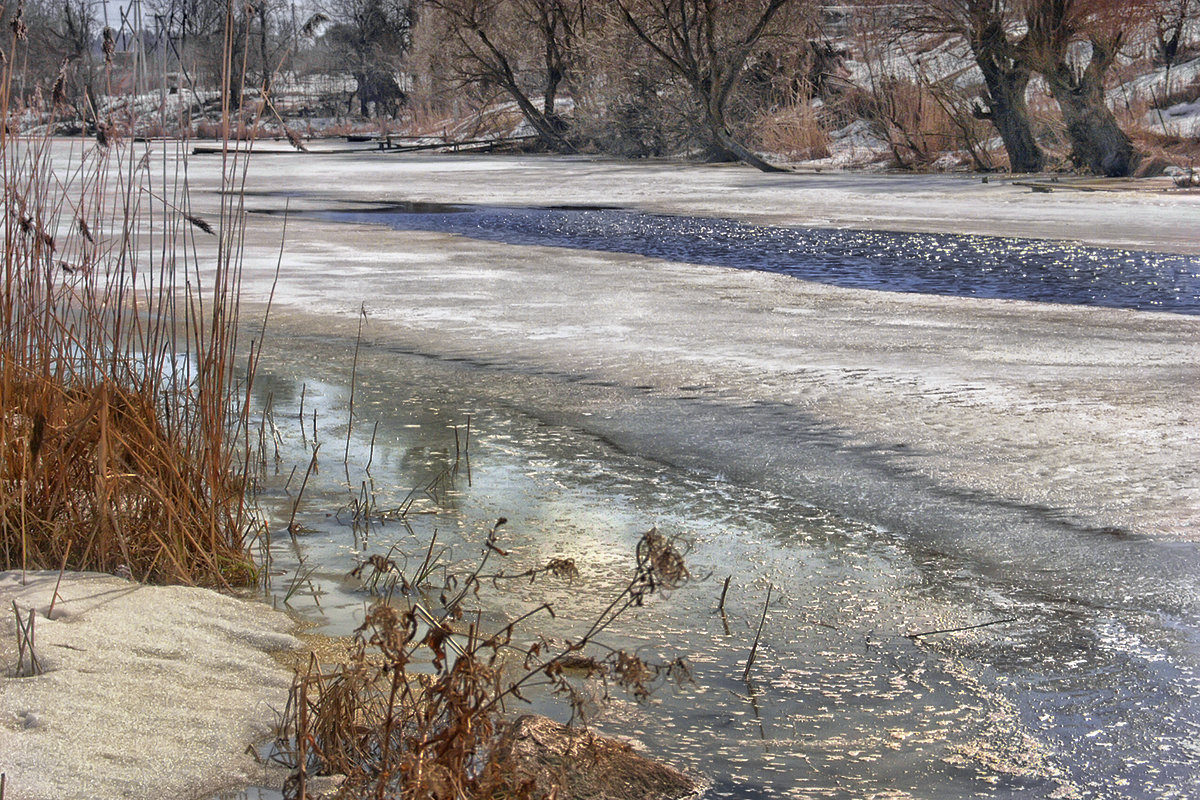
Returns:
point(1020, 84)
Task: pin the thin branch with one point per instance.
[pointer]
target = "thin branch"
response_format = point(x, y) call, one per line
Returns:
point(963, 628)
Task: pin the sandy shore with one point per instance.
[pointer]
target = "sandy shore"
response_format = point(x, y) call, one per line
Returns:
point(146, 691)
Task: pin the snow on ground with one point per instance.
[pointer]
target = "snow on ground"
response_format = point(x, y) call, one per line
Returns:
point(1181, 119)
point(147, 691)
point(856, 143)
point(1158, 82)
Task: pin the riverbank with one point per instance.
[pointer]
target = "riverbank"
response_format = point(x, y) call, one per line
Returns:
point(143, 691)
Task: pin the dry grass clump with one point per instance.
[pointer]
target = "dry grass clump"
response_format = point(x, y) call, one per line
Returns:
point(919, 124)
point(93, 479)
point(417, 710)
point(793, 131)
point(120, 415)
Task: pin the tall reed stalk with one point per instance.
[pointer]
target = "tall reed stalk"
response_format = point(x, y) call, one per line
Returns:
point(122, 416)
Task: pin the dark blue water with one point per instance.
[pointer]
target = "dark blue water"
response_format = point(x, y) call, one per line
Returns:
point(961, 266)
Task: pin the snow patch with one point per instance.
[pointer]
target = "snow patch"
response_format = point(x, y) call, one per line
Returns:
point(148, 691)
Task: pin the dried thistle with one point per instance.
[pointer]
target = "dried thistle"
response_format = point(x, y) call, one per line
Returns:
point(633, 674)
point(399, 732)
point(562, 568)
point(294, 140)
point(378, 563)
point(58, 95)
point(110, 44)
point(381, 567)
point(19, 28)
point(659, 564)
point(587, 665)
point(30, 227)
point(199, 223)
point(85, 230)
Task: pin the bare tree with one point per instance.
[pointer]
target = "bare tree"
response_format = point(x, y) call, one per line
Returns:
point(194, 35)
point(523, 47)
point(706, 43)
point(1171, 21)
point(265, 38)
point(995, 32)
point(1073, 44)
point(371, 38)
point(626, 102)
point(62, 35)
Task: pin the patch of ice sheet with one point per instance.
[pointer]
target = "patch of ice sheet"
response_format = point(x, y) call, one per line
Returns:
point(148, 691)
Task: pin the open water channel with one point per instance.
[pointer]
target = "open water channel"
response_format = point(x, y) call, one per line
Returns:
point(963, 266)
point(1080, 681)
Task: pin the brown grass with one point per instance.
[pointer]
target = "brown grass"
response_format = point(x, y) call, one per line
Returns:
point(120, 413)
point(416, 711)
point(1146, 122)
point(919, 126)
point(793, 131)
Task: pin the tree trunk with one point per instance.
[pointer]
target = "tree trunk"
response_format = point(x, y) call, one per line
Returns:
point(724, 139)
point(743, 153)
point(547, 127)
point(554, 77)
point(1056, 27)
point(360, 80)
point(262, 48)
point(1097, 141)
point(689, 46)
point(1006, 69)
point(1009, 113)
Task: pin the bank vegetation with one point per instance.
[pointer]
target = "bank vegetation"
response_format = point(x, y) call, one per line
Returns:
point(1026, 85)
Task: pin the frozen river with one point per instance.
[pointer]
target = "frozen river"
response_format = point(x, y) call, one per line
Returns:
point(891, 463)
point(930, 263)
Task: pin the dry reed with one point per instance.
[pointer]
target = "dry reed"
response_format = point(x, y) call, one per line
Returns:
point(121, 415)
point(793, 131)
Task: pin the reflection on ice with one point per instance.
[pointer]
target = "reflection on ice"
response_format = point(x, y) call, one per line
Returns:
point(1068, 699)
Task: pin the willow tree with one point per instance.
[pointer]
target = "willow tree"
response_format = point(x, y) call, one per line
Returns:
point(1074, 44)
point(524, 47)
point(707, 43)
point(995, 33)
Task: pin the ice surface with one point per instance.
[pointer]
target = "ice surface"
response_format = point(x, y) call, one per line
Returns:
point(1087, 412)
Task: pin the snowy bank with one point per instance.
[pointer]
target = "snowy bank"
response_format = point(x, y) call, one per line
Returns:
point(145, 691)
